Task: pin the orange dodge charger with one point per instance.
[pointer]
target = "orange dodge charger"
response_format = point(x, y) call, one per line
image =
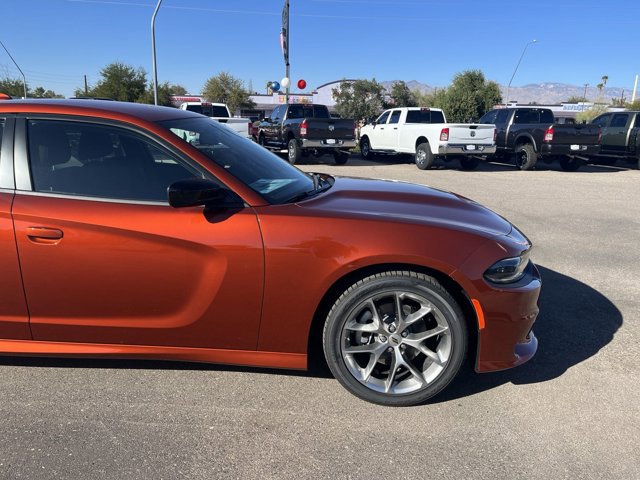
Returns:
point(134, 231)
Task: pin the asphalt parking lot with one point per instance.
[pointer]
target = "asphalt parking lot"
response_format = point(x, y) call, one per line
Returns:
point(571, 413)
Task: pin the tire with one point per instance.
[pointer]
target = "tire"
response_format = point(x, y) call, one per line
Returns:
point(340, 157)
point(365, 149)
point(424, 157)
point(569, 164)
point(294, 152)
point(261, 139)
point(525, 157)
point(369, 353)
point(469, 163)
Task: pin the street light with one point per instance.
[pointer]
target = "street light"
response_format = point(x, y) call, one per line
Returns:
point(24, 79)
point(153, 53)
point(516, 69)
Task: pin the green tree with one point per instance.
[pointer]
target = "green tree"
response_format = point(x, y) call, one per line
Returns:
point(119, 82)
point(40, 92)
point(634, 105)
point(360, 99)
point(402, 96)
point(435, 99)
point(12, 86)
point(165, 90)
point(587, 115)
point(575, 99)
point(225, 88)
point(470, 96)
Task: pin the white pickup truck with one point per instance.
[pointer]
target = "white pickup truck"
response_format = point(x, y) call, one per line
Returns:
point(424, 133)
point(219, 112)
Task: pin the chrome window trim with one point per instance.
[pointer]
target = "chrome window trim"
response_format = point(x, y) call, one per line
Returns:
point(91, 199)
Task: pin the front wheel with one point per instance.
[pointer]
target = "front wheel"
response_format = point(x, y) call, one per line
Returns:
point(365, 149)
point(569, 164)
point(294, 152)
point(395, 338)
point(424, 157)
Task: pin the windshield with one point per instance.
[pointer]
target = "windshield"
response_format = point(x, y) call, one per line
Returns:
point(265, 173)
point(209, 110)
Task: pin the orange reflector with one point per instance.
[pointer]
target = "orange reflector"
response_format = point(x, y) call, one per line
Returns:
point(479, 313)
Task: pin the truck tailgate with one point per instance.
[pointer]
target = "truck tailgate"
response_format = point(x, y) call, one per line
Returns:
point(564, 134)
point(470, 134)
point(329, 128)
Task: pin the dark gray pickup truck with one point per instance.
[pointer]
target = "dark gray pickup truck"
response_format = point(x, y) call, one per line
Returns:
point(529, 134)
point(620, 138)
point(305, 129)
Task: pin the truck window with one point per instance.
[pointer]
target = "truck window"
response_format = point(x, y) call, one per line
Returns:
point(502, 117)
point(602, 120)
point(620, 120)
point(320, 111)
point(395, 116)
point(437, 116)
point(209, 110)
point(382, 119)
point(527, 116)
point(277, 113)
point(489, 117)
point(418, 116)
point(637, 123)
point(546, 116)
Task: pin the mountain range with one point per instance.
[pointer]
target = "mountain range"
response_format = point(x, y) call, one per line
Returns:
point(547, 93)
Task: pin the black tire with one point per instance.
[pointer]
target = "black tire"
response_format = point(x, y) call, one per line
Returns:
point(469, 163)
point(340, 157)
point(424, 158)
point(365, 149)
point(569, 164)
point(294, 152)
point(261, 141)
point(392, 360)
point(525, 157)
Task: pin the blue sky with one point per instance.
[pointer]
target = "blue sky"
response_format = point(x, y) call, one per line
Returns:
point(56, 42)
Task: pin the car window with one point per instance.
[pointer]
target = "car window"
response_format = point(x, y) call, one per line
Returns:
point(276, 114)
point(602, 120)
point(502, 117)
point(620, 120)
point(546, 116)
point(395, 116)
point(419, 116)
point(531, 115)
point(320, 111)
point(88, 159)
point(637, 122)
point(489, 117)
point(382, 119)
point(437, 116)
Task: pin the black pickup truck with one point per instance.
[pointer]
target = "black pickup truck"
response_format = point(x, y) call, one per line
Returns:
point(529, 134)
point(620, 138)
point(304, 129)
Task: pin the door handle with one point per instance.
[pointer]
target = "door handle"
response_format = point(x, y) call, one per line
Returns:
point(44, 235)
point(395, 128)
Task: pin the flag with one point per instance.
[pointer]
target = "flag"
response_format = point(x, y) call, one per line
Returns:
point(284, 32)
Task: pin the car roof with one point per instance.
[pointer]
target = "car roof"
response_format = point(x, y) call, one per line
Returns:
point(151, 113)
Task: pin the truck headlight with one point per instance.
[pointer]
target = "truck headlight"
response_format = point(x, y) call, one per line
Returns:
point(508, 270)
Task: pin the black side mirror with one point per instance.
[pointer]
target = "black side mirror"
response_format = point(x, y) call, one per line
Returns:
point(374, 123)
point(194, 191)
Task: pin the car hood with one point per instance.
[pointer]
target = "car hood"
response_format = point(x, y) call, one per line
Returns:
point(408, 203)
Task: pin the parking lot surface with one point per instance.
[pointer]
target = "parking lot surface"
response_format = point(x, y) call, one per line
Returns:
point(572, 412)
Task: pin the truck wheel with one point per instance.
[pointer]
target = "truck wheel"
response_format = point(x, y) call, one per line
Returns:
point(340, 157)
point(569, 164)
point(365, 149)
point(469, 163)
point(424, 157)
point(261, 139)
point(294, 151)
point(525, 157)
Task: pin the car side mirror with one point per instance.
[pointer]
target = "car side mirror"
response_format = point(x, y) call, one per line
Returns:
point(191, 192)
point(374, 122)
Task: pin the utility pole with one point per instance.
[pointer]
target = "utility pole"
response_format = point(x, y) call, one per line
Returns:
point(153, 53)
point(86, 87)
point(24, 79)
point(585, 92)
point(516, 69)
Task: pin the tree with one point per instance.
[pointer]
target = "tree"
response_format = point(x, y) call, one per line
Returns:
point(587, 115)
point(40, 92)
point(634, 106)
point(165, 90)
point(12, 86)
point(470, 96)
point(119, 82)
point(225, 88)
point(360, 99)
point(575, 99)
point(402, 96)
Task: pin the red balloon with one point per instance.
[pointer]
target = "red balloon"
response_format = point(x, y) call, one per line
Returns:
point(302, 84)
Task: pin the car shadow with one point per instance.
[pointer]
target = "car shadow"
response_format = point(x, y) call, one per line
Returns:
point(575, 323)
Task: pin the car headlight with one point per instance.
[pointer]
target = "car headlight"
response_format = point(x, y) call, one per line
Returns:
point(508, 270)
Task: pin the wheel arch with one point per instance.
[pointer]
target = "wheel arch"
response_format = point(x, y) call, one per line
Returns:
point(315, 354)
point(525, 139)
point(420, 140)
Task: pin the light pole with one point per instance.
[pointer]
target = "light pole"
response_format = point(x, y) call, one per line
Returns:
point(584, 96)
point(516, 69)
point(24, 79)
point(153, 53)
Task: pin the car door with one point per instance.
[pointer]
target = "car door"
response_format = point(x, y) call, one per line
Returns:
point(377, 137)
point(603, 122)
point(273, 129)
point(392, 133)
point(617, 132)
point(14, 319)
point(104, 257)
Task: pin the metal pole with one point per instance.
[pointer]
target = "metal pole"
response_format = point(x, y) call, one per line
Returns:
point(585, 92)
point(635, 87)
point(153, 52)
point(287, 66)
point(24, 79)
point(516, 69)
